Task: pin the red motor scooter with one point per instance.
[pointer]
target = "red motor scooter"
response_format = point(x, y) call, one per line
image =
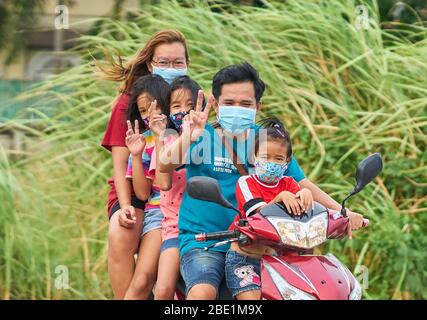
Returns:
point(293, 273)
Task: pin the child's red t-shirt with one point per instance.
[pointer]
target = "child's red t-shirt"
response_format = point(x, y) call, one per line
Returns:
point(251, 193)
point(114, 136)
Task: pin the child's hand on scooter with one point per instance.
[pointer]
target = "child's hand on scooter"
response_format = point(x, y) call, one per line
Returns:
point(291, 202)
point(305, 199)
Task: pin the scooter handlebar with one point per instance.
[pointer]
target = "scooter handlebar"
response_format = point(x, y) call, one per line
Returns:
point(215, 235)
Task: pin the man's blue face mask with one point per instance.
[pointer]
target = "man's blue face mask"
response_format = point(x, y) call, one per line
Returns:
point(236, 119)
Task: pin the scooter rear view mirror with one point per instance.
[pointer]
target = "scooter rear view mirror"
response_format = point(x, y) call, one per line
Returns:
point(367, 170)
point(207, 189)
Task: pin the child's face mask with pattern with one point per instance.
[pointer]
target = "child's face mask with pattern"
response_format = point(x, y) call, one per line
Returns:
point(145, 122)
point(178, 118)
point(268, 171)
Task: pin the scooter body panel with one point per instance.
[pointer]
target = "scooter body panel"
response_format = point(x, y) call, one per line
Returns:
point(318, 276)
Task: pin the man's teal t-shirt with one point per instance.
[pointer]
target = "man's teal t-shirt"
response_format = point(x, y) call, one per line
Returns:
point(209, 157)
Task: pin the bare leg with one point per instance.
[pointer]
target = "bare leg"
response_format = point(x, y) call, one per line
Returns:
point(122, 245)
point(168, 273)
point(249, 295)
point(145, 273)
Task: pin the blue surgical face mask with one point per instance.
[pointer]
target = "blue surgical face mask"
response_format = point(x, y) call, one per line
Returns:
point(177, 119)
point(235, 119)
point(269, 172)
point(169, 74)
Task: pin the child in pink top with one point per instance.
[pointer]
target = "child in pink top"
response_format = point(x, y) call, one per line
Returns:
point(170, 202)
point(184, 92)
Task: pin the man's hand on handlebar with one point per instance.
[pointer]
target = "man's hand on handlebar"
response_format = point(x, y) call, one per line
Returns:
point(356, 221)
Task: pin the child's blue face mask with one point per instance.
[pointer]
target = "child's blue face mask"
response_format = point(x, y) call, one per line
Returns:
point(236, 119)
point(269, 172)
point(169, 74)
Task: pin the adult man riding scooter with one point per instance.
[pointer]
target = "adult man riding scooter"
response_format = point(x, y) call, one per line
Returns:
point(237, 90)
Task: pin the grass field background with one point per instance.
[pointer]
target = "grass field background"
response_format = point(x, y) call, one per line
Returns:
point(343, 93)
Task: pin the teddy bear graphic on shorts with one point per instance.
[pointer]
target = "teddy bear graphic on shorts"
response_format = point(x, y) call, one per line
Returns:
point(248, 276)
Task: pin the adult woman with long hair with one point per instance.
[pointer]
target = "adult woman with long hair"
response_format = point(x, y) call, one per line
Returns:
point(164, 54)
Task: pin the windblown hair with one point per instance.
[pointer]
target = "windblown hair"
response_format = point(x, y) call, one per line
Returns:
point(129, 72)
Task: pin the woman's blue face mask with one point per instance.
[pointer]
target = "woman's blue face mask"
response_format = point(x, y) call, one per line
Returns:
point(169, 74)
point(236, 119)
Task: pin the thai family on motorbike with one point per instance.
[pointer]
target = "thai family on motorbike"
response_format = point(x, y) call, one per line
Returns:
point(160, 139)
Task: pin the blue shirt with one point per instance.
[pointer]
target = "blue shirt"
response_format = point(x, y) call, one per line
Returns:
point(209, 157)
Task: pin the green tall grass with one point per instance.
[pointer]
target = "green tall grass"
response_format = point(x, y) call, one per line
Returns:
point(343, 93)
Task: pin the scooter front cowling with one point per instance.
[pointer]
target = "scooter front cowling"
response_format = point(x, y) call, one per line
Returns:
point(306, 277)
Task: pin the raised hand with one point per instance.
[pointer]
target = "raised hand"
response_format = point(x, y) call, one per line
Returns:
point(198, 118)
point(134, 140)
point(158, 120)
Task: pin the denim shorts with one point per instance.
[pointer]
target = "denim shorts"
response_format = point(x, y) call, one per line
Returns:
point(202, 267)
point(242, 273)
point(169, 243)
point(152, 220)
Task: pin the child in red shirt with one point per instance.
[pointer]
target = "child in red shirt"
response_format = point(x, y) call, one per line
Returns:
point(273, 151)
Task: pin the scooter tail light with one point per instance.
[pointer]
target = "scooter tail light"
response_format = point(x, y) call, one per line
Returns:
point(287, 291)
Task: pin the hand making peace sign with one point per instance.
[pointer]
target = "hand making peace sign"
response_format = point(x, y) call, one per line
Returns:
point(194, 123)
point(158, 120)
point(134, 140)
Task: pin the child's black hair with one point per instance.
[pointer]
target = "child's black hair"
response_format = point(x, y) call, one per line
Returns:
point(274, 130)
point(185, 82)
point(157, 88)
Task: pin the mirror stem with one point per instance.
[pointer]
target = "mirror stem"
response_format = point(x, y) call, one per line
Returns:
point(242, 222)
point(343, 210)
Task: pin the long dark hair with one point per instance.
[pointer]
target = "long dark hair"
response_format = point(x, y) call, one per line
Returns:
point(274, 130)
point(157, 88)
